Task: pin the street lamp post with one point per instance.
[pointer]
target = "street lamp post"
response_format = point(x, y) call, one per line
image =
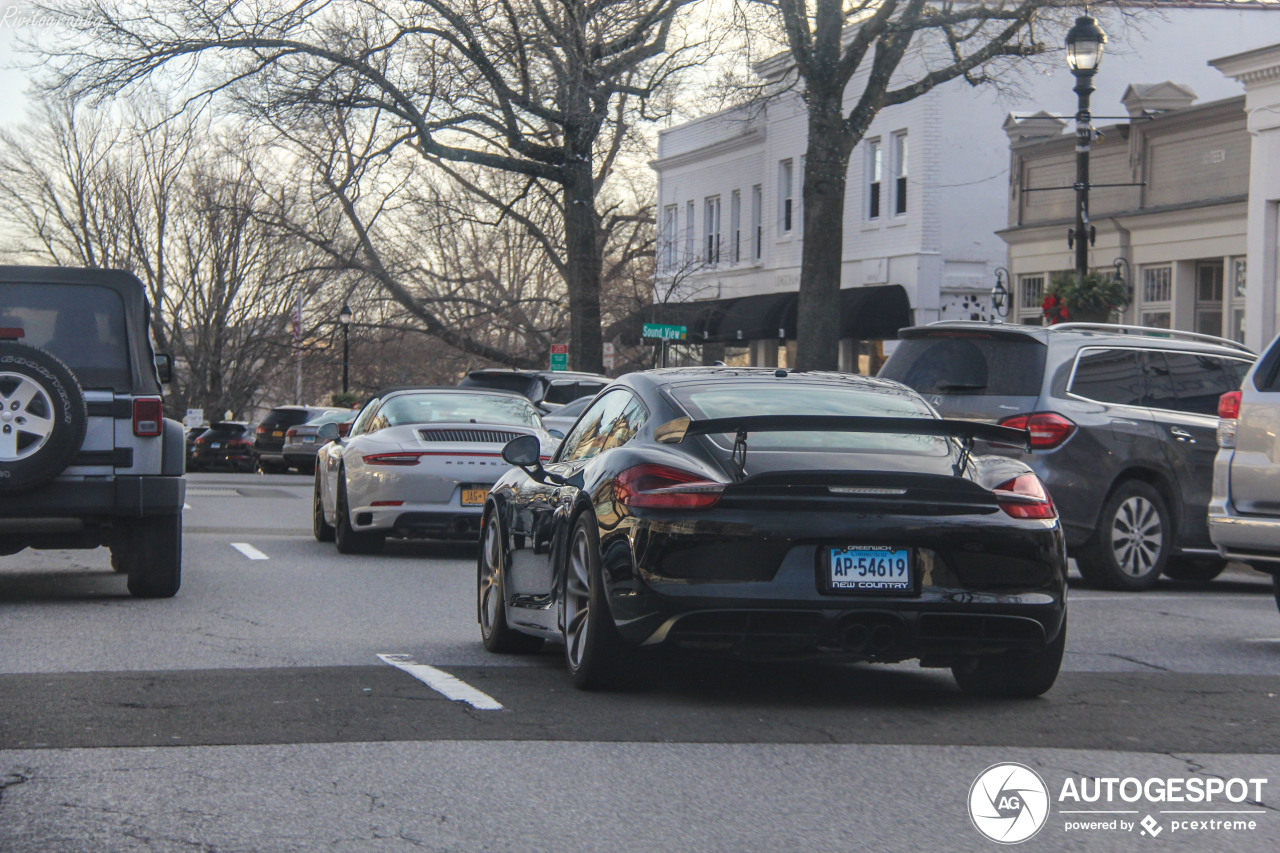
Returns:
point(344, 317)
point(1085, 42)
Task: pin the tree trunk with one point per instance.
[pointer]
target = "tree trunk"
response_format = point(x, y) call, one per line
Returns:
point(826, 169)
point(582, 268)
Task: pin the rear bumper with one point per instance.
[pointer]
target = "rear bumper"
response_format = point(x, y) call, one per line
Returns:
point(1255, 539)
point(118, 497)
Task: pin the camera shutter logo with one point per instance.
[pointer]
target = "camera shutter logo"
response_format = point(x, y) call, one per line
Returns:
point(1008, 803)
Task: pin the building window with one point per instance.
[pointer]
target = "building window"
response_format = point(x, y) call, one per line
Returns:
point(690, 237)
point(1157, 297)
point(875, 174)
point(713, 230)
point(1239, 287)
point(1209, 292)
point(785, 194)
point(900, 173)
point(670, 223)
point(757, 226)
point(735, 224)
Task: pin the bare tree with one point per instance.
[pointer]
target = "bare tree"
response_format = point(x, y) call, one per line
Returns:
point(548, 91)
point(892, 51)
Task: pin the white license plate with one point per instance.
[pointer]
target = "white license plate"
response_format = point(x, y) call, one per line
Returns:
point(870, 568)
point(308, 439)
point(216, 445)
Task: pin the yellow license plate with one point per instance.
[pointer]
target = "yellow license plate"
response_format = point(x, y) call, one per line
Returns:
point(473, 497)
point(277, 433)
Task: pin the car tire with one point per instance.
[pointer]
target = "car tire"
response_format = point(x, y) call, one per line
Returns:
point(1194, 569)
point(155, 561)
point(321, 529)
point(491, 571)
point(349, 540)
point(1131, 545)
point(43, 417)
point(594, 651)
point(1013, 675)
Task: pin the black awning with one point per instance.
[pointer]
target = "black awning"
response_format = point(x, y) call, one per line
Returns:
point(866, 313)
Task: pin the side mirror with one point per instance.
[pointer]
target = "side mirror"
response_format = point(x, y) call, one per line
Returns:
point(523, 452)
point(164, 368)
point(328, 432)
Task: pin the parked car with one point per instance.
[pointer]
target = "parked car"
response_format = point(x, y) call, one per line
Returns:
point(764, 513)
point(225, 445)
point(301, 441)
point(190, 443)
point(1123, 425)
point(86, 456)
point(560, 420)
point(1244, 515)
point(268, 438)
point(548, 389)
point(417, 463)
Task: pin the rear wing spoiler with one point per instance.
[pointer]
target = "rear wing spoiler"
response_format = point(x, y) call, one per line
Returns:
point(674, 432)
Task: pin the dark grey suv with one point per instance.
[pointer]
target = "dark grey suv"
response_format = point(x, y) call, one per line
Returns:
point(1123, 423)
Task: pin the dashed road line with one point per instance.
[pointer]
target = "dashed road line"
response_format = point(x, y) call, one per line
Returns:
point(451, 687)
point(249, 551)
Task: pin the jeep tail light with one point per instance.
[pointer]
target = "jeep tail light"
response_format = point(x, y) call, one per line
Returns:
point(1025, 497)
point(660, 487)
point(1048, 429)
point(147, 416)
point(1228, 412)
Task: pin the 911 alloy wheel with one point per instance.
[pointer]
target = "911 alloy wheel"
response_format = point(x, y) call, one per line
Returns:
point(491, 572)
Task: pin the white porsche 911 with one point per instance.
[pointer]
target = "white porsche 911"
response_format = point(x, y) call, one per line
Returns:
point(417, 462)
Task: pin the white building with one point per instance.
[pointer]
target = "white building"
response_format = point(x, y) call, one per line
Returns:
point(729, 184)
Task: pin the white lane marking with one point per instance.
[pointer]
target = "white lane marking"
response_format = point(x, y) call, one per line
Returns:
point(442, 682)
point(249, 551)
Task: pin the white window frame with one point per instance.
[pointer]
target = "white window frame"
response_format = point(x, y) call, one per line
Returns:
point(711, 206)
point(735, 226)
point(757, 221)
point(786, 197)
point(873, 210)
point(1156, 293)
point(691, 233)
point(900, 164)
point(670, 235)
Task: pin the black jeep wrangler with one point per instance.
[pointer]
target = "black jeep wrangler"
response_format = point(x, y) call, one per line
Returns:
point(86, 457)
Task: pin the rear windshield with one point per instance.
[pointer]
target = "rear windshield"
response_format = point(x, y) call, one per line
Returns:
point(443, 407)
point(969, 365)
point(286, 417)
point(737, 399)
point(503, 382)
point(81, 324)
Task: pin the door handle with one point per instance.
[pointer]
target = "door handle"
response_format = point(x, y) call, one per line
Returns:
point(1182, 435)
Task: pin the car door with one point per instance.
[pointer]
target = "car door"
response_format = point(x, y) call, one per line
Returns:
point(1184, 391)
point(1255, 462)
point(535, 506)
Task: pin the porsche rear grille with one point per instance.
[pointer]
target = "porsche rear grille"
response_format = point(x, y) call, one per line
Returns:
point(481, 436)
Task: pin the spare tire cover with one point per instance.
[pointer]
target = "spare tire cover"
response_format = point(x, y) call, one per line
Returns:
point(42, 417)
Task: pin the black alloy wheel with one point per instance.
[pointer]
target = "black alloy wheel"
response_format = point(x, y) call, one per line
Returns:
point(1131, 546)
point(43, 417)
point(155, 561)
point(1013, 675)
point(593, 650)
point(348, 539)
point(1194, 569)
point(321, 529)
point(497, 635)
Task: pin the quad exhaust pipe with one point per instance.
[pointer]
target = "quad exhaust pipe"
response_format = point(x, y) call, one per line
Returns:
point(865, 635)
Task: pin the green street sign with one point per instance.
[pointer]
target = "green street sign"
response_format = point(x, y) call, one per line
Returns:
point(664, 333)
point(559, 356)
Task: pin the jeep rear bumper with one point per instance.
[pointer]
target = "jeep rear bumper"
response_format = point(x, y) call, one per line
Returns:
point(117, 497)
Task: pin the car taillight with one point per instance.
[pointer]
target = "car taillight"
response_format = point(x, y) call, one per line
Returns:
point(1025, 497)
point(240, 442)
point(290, 433)
point(405, 458)
point(261, 430)
point(200, 440)
point(147, 417)
point(1048, 430)
point(1228, 412)
point(660, 487)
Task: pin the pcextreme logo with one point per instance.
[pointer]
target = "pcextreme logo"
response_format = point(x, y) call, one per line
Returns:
point(1008, 802)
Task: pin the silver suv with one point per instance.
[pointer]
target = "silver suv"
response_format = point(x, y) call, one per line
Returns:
point(1244, 514)
point(86, 456)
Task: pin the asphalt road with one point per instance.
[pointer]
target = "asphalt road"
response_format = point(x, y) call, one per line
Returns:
point(273, 705)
